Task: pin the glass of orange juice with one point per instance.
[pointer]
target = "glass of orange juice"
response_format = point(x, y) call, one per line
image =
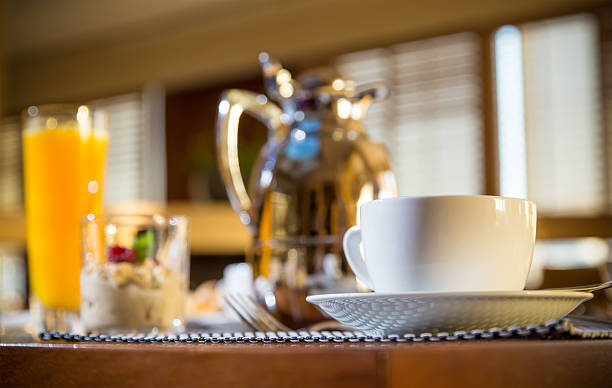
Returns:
point(64, 160)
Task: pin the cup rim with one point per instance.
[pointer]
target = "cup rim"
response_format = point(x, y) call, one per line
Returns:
point(122, 218)
point(57, 109)
point(435, 197)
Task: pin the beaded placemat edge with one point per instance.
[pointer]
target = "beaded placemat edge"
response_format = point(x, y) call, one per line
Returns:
point(561, 329)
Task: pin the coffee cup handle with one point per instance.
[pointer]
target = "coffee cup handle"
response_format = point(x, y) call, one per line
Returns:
point(350, 243)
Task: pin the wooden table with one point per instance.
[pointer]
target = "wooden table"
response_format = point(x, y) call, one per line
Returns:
point(487, 363)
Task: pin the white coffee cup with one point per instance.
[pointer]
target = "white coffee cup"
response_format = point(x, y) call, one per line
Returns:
point(445, 243)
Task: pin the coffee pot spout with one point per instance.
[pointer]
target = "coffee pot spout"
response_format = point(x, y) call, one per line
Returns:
point(371, 93)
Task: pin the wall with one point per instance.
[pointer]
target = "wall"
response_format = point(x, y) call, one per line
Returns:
point(69, 50)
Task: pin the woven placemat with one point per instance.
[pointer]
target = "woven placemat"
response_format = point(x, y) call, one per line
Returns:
point(567, 328)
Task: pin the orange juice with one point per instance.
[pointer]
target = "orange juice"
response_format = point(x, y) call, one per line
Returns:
point(63, 172)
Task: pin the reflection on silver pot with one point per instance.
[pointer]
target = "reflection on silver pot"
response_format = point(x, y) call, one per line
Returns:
point(316, 168)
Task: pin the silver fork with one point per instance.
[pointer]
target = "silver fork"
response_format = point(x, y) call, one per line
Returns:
point(587, 288)
point(254, 315)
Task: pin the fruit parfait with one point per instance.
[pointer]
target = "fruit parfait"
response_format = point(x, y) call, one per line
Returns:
point(135, 273)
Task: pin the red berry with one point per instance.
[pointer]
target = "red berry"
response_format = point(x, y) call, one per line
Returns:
point(129, 256)
point(117, 254)
point(117, 250)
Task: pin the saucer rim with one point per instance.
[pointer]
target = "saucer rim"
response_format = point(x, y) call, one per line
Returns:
point(445, 294)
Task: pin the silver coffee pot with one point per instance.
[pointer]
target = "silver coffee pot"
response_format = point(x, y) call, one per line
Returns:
point(314, 171)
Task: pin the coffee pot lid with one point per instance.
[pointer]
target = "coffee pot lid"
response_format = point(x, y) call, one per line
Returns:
point(313, 87)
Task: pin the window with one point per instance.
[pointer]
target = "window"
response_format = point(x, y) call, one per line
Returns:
point(136, 168)
point(550, 127)
point(550, 115)
point(510, 112)
point(10, 165)
point(433, 115)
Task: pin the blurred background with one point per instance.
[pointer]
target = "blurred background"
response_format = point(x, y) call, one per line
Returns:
point(487, 97)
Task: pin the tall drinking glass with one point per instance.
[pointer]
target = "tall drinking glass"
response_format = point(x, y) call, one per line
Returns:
point(64, 160)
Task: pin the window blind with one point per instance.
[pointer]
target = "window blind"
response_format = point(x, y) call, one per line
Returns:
point(124, 181)
point(563, 115)
point(136, 152)
point(136, 167)
point(605, 28)
point(563, 129)
point(432, 122)
point(11, 192)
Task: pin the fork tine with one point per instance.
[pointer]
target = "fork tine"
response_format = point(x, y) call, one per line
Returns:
point(243, 317)
point(259, 323)
point(255, 310)
point(272, 321)
point(585, 288)
point(253, 313)
point(235, 305)
point(256, 316)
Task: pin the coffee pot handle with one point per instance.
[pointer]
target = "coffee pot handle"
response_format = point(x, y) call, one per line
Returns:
point(350, 243)
point(232, 104)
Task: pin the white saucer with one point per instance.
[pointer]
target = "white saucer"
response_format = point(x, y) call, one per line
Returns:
point(432, 312)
